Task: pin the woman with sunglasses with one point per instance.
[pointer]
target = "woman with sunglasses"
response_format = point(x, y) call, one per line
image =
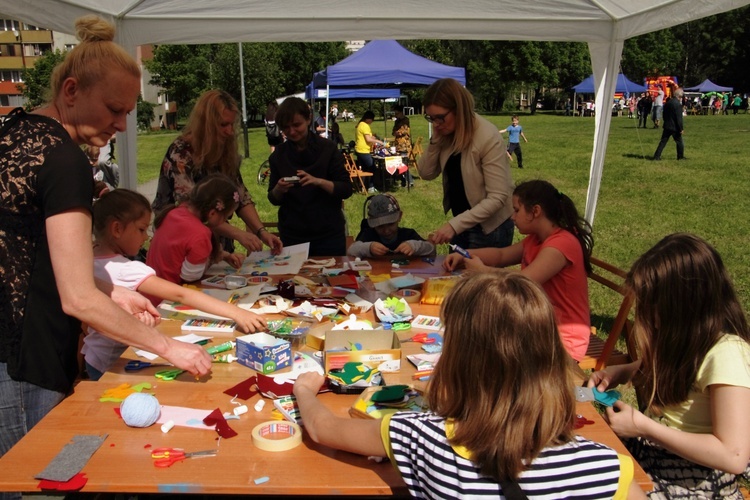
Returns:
point(477, 185)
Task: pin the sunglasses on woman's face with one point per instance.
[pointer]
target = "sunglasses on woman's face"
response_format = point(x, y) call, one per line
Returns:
point(437, 119)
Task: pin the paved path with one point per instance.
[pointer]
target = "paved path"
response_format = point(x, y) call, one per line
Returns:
point(148, 189)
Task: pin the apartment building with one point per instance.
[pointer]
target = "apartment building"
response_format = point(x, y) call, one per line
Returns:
point(21, 44)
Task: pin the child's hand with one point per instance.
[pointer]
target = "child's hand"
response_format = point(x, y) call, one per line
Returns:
point(626, 421)
point(378, 249)
point(405, 248)
point(308, 382)
point(600, 379)
point(452, 262)
point(249, 322)
point(475, 264)
point(234, 259)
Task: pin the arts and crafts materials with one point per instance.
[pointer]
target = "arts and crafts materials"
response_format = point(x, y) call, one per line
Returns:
point(427, 322)
point(223, 358)
point(460, 251)
point(410, 296)
point(140, 410)
point(214, 282)
point(165, 457)
point(209, 325)
point(424, 338)
point(72, 458)
point(266, 436)
point(223, 347)
point(168, 375)
point(167, 426)
point(287, 405)
point(135, 365)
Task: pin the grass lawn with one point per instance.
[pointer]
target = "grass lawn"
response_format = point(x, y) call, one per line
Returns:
point(640, 201)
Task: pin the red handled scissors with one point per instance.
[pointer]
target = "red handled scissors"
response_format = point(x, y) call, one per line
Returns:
point(165, 457)
point(423, 338)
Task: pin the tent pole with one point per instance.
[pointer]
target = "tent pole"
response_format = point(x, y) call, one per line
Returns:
point(246, 142)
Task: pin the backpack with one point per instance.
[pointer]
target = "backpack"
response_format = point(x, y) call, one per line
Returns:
point(272, 130)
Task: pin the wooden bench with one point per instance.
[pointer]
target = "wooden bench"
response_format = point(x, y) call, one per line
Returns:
point(601, 353)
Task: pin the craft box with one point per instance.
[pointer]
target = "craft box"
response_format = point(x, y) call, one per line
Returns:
point(263, 353)
point(377, 346)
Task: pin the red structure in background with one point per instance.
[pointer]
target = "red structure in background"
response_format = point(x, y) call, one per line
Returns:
point(665, 83)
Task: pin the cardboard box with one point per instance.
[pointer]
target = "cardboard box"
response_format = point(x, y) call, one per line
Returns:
point(263, 353)
point(377, 346)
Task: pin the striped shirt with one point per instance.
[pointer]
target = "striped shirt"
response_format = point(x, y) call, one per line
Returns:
point(418, 447)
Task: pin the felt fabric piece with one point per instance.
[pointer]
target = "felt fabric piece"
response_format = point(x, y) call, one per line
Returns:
point(215, 418)
point(244, 390)
point(74, 484)
point(119, 393)
point(72, 458)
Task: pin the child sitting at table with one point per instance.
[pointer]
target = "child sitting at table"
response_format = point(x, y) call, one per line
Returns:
point(693, 374)
point(121, 219)
point(379, 234)
point(555, 254)
point(183, 245)
point(501, 402)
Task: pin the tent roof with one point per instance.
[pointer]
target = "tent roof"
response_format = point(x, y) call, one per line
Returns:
point(385, 62)
point(214, 21)
point(623, 85)
point(709, 86)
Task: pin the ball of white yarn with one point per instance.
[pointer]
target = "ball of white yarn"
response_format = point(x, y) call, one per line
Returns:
point(140, 410)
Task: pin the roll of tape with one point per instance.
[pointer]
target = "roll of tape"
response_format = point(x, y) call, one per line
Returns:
point(265, 436)
point(259, 280)
point(410, 296)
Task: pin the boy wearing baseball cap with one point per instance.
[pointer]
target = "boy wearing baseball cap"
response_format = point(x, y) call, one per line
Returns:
point(379, 234)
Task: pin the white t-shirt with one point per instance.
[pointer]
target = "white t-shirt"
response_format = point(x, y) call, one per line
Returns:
point(98, 350)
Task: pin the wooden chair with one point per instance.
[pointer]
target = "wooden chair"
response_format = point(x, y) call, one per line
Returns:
point(602, 353)
point(416, 152)
point(355, 173)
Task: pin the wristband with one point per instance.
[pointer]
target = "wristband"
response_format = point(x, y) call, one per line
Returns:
point(260, 230)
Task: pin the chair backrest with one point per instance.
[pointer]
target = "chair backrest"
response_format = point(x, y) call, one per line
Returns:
point(603, 352)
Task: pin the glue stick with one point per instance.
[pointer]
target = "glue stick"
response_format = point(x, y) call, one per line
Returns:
point(223, 358)
point(226, 346)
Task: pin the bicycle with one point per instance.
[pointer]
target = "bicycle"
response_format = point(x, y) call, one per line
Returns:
point(264, 172)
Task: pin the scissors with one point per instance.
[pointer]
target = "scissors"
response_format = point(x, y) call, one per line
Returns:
point(135, 365)
point(429, 260)
point(165, 457)
point(259, 273)
point(422, 338)
point(168, 375)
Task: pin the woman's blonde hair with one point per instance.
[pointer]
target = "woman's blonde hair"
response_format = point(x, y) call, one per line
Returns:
point(503, 374)
point(213, 152)
point(94, 58)
point(450, 94)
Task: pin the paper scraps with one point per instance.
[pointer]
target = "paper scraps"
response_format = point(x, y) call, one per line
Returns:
point(119, 393)
point(72, 458)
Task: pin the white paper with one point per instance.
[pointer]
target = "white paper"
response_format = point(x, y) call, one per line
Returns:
point(189, 338)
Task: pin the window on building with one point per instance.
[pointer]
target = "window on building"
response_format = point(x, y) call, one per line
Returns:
point(69, 46)
point(4, 100)
point(10, 76)
point(16, 100)
point(9, 49)
point(9, 25)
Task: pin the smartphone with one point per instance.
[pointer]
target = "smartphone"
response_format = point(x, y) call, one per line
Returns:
point(291, 180)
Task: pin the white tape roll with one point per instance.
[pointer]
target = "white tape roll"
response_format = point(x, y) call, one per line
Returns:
point(410, 296)
point(265, 436)
point(167, 426)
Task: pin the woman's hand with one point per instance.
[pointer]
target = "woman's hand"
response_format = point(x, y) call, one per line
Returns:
point(444, 234)
point(377, 249)
point(249, 322)
point(626, 421)
point(405, 248)
point(305, 179)
point(308, 383)
point(190, 357)
point(136, 304)
point(281, 188)
point(612, 376)
point(273, 242)
point(453, 261)
point(251, 242)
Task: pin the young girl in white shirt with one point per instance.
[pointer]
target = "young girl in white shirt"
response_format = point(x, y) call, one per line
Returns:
point(121, 220)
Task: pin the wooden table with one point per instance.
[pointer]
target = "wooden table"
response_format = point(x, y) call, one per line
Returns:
point(123, 463)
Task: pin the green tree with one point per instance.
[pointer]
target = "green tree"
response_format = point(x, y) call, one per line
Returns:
point(37, 79)
point(183, 71)
point(144, 113)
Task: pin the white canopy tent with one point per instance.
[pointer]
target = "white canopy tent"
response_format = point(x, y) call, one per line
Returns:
point(603, 24)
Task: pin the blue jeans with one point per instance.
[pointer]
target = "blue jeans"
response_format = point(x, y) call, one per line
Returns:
point(474, 237)
point(367, 164)
point(22, 406)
